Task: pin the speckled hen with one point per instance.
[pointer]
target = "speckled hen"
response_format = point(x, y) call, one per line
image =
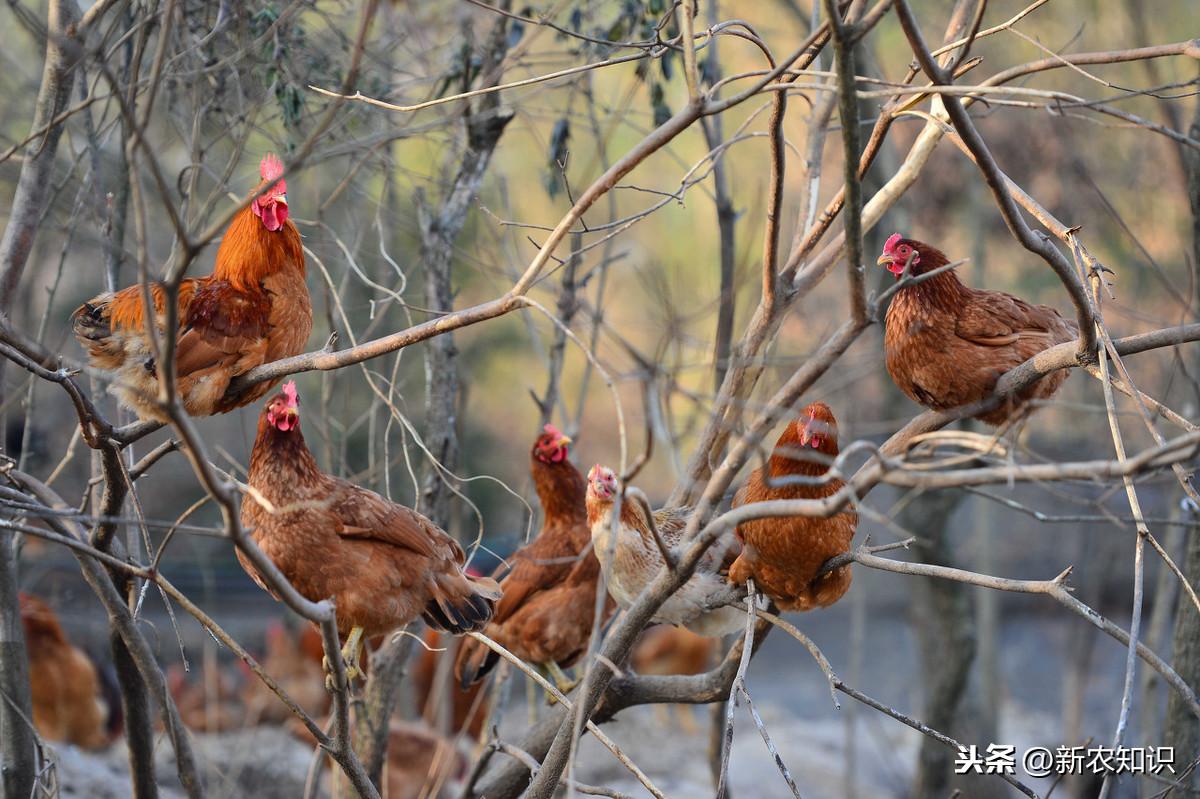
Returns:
point(631, 559)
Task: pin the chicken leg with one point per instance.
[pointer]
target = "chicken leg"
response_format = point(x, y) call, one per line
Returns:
point(350, 654)
point(561, 681)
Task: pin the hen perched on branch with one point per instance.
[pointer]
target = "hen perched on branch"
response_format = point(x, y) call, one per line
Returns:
point(631, 558)
point(546, 614)
point(947, 344)
point(382, 563)
point(253, 309)
point(784, 555)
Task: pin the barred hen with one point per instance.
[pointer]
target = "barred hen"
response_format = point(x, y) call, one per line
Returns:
point(631, 559)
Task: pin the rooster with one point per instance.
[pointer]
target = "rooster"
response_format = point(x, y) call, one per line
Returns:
point(784, 555)
point(383, 564)
point(253, 309)
point(546, 614)
point(631, 558)
point(67, 695)
point(948, 344)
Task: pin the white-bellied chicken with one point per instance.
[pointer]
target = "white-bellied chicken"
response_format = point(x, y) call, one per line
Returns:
point(253, 309)
point(784, 555)
point(383, 564)
point(68, 700)
point(631, 558)
point(549, 603)
point(947, 344)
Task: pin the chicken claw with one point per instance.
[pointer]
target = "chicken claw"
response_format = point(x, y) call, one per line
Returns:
point(561, 681)
point(350, 655)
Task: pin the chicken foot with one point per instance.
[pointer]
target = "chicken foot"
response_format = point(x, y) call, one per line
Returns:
point(350, 655)
point(561, 680)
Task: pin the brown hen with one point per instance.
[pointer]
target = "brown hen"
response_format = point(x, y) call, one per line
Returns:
point(68, 703)
point(382, 563)
point(549, 599)
point(948, 344)
point(784, 555)
point(254, 308)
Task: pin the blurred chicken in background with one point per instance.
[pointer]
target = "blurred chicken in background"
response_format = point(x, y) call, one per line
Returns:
point(294, 661)
point(665, 650)
point(69, 701)
point(442, 702)
point(207, 703)
point(421, 763)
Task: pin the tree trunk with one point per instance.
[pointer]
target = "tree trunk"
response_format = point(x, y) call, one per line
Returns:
point(18, 757)
point(945, 636)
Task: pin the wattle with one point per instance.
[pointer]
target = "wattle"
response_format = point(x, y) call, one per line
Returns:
point(272, 214)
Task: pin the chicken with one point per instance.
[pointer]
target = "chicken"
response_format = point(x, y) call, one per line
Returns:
point(441, 701)
point(631, 559)
point(784, 555)
point(253, 309)
point(383, 564)
point(549, 599)
point(420, 763)
point(293, 661)
point(68, 700)
point(666, 650)
point(209, 704)
point(948, 344)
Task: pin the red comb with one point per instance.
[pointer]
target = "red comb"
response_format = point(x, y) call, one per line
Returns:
point(891, 242)
point(551, 430)
point(270, 167)
point(289, 391)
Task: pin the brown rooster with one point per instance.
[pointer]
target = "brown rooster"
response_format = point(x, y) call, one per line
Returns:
point(549, 599)
point(382, 563)
point(784, 555)
point(68, 703)
point(631, 559)
point(253, 309)
point(948, 344)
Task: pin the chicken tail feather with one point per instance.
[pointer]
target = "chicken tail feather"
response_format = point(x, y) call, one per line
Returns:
point(473, 663)
point(462, 604)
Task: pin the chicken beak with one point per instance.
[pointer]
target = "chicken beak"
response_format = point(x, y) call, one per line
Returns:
point(562, 441)
point(883, 260)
